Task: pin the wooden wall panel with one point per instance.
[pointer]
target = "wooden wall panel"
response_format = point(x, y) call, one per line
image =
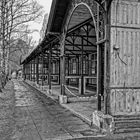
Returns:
point(125, 35)
point(125, 101)
point(125, 65)
point(125, 12)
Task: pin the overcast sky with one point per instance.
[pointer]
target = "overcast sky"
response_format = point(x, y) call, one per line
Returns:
point(46, 5)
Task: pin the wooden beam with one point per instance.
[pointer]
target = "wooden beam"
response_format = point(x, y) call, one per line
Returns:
point(37, 75)
point(98, 67)
point(82, 79)
point(50, 68)
point(79, 25)
point(107, 63)
point(34, 70)
point(76, 45)
point(85, 36)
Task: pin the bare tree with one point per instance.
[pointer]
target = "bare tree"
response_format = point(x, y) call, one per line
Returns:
point(14, 17)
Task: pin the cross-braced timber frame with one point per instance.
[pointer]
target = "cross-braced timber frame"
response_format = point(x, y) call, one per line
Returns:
point(69, 53)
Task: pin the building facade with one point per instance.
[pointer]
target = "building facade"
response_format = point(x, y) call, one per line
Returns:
point(92, 47)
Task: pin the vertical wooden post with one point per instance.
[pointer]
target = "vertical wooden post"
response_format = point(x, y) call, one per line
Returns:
point(26, 70)
point(37, 76)
point(82, 77)
point(30, 70)
point(84, 80)
point(107, 60)
point(59, 71)
point(68, 80)
point(68, 65)
point(99, 74)
point(42, 71)
point(50, 70)
point(23, 74)
point(98, 66)
point(34, 69)
point(62, 68)
point(78, 65)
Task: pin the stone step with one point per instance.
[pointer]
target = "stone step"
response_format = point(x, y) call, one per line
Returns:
point(126, 130)
point(122, 122)
point(126, 124)
point(130, 117)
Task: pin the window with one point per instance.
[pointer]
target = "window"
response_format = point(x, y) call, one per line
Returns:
point(93, 63)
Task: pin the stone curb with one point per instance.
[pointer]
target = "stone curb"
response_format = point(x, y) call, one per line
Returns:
point(46, 92)
point(84, 118)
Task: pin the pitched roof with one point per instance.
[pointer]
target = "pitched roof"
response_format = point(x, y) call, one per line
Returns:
point(55, 23)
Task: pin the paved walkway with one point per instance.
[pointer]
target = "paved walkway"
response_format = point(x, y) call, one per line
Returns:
point(38, 117)
point(83, 110)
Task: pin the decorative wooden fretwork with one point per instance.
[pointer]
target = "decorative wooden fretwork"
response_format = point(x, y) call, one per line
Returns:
point(98, 12)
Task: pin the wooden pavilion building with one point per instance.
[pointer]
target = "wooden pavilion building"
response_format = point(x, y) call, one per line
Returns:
point(92, 48)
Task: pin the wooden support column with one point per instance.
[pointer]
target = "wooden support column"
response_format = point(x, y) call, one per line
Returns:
point(62, 66)
point(99, 74)
point(31, 69)
point(98, 66)
point(82, 77)
point(59, 71)
point(34, 69)
point(68, 66)
point(25, 71)
point(42, 71)
point(28, 71)
point(63, 75)
point(107, 60)
point(68, 63)
point(50, 69)
point(23, 75)
point(30, 66)
point(78, 68)
point(78, 71)
point(37, 76)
